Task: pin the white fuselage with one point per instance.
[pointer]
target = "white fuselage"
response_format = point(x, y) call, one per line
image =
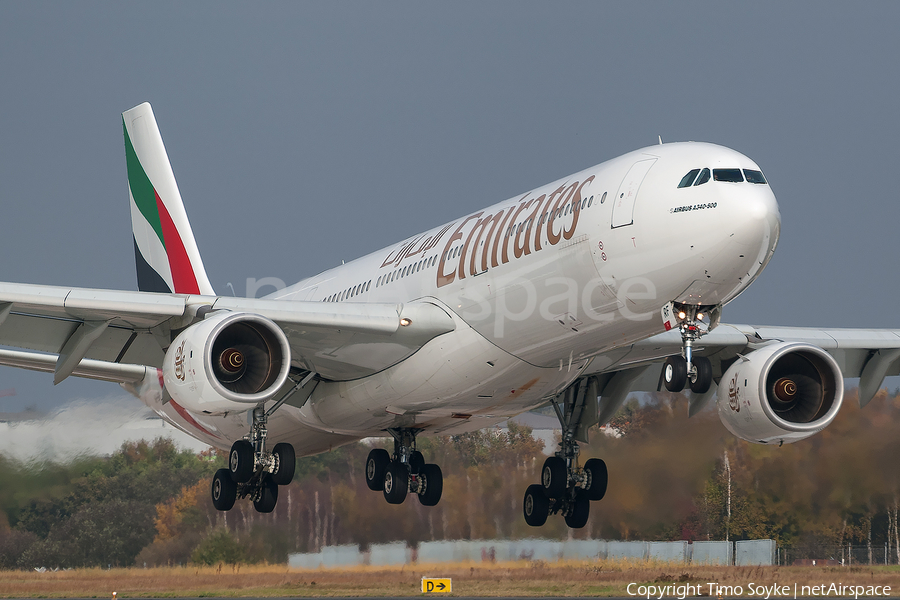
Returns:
point(542, 287)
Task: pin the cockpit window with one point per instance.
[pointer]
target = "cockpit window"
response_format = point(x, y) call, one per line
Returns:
point(730, 175)
point(688, 179)
point(703, 178)
point(754, 176)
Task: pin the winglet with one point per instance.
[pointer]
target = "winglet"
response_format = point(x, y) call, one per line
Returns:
point(164, 247)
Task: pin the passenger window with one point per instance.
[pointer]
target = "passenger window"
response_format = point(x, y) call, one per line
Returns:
point(728, 175)
point(688, 180)
point(703, 177)
point(754, 176)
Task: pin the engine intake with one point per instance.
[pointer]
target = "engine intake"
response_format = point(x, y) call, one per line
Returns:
point(227, 362)
point(783, 392)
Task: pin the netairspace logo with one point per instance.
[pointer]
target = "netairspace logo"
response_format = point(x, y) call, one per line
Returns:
point(757, 590)
point(87, 427)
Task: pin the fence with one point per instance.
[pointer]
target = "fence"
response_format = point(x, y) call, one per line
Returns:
point(877, 554)
point(751, 552)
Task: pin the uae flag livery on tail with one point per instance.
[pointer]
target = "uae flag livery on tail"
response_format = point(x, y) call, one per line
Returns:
point(164, 247)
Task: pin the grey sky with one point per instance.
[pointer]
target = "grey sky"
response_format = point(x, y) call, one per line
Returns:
point(304, 133)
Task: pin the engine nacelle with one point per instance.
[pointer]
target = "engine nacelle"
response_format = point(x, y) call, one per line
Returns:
point(227, 362)
point(783, 392)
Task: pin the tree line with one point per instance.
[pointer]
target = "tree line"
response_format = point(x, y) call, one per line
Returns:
point(671, 478)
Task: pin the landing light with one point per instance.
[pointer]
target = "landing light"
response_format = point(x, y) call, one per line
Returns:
point(699, 316)
point(682, 315)
point(405, 322)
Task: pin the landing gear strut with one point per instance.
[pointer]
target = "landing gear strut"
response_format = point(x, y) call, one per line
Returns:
point(686, 368)
point(405, 472)
point(566, 487)
point(253, 471)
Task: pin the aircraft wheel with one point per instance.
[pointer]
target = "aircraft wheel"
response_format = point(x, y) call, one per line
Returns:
point(599, 478)
point(579, 511)
point(240, 461)
point(675, 373)
point(396, 483)
point(434, 485)
point(268, 497)
point(554, 477)
point(286, 461)
point(703, 379)
point(224, 490)
point(536, 506)
point(376, 466)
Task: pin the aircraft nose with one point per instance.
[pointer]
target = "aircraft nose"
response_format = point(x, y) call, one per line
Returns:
point(757, 218)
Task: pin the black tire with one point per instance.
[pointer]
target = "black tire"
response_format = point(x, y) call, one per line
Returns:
point(434, 485)
point(416, 462)
point(554, 478)
point(396, 483)
point(224, 490)
point(535, 506)
point(579, 511)
point(240, 461)
point(285, 461)
point(598, 477)
point(675, 373)
point(703, 380)
point(376, 466)
point(268, 497)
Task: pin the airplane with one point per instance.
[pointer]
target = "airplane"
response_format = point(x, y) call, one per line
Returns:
point(572, 295)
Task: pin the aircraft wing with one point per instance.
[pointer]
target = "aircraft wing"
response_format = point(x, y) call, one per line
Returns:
point(870, 354)
point(112, 335)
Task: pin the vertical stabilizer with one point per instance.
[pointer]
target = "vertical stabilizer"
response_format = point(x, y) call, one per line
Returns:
point(164, 247)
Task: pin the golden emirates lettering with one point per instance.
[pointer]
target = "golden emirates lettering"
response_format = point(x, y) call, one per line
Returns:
point(520, 225)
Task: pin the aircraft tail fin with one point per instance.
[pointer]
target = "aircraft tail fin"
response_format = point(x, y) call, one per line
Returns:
point(165, 251)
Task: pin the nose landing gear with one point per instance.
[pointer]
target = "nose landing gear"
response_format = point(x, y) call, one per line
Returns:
point(686, 368)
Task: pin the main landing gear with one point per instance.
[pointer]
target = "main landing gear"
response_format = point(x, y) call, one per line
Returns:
point(687, 369)
point(566, 487)
point(252, 471)
point(404, 472)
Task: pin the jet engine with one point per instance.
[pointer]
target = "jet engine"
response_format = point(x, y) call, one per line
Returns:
point(784, 392)
point(227, 362)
